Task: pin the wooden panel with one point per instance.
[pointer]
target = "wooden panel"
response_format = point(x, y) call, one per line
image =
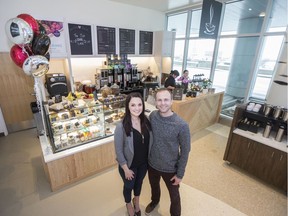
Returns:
point(16, 89)
point(72, 168)
point(199, 112)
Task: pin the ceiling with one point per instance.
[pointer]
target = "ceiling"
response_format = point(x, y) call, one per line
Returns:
point(160, 5)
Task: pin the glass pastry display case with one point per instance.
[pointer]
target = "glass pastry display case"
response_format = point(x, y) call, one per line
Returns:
point(70, 124)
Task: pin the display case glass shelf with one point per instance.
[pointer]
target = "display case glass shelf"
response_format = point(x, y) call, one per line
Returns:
point(83, 121)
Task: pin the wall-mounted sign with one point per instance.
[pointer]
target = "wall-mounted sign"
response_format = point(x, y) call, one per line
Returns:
point(127, 41)
point(210, 19)
point(106, 40)
point(145, 42)
point(80, 37)
point(55, 30)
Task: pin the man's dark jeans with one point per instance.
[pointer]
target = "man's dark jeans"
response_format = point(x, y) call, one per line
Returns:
point(154, 179)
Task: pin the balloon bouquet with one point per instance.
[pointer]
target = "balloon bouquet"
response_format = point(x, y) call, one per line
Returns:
point(31, 48)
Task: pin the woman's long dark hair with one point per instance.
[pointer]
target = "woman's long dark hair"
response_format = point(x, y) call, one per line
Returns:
point(127, 123)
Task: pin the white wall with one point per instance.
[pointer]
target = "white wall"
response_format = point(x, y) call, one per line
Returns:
point(99, 12)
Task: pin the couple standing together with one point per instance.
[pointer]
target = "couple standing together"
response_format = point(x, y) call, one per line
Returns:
point(161, 146)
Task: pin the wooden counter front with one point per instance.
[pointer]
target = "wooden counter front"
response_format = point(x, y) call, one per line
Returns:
point(201, 111)
point(72, 165)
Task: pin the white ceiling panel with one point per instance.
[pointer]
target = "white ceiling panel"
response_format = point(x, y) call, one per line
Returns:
point(159, 5)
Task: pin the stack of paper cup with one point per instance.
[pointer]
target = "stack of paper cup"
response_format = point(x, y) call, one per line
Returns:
point(256, 108)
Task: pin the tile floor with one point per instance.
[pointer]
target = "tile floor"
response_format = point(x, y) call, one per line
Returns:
point(210, 186)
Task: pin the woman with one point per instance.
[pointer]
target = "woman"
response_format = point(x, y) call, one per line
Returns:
point(170, 82)
point(132, 140)
point(185, 80)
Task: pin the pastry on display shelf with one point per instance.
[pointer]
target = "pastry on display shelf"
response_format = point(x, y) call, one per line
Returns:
point(108, 131)
point(64, 140)
point(54, 117)
point(58, 127)
point(77, 124)
point(69, 126)
point(64, 116)
point(109, 120)
point(95, 131)
point(73, 138)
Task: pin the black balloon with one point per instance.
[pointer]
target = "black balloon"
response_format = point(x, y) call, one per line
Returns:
point(47, 55)
point(41, 29)
point(41, 44)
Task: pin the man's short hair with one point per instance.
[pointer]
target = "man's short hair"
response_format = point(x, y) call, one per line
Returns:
point(163, 89)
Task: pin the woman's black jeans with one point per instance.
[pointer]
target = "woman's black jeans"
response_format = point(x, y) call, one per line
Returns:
point(135, 184)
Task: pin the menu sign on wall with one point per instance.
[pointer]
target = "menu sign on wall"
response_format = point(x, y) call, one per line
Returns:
point(127, 41)
point(80, 37)
point(106, 42)
point(146, 42)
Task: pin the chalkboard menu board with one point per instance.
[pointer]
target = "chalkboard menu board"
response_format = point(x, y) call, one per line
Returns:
point(80, 39)
point(127, 41)
point(106, 41)
point(146, 42)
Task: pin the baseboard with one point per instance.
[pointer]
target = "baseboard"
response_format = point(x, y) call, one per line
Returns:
point(2, 134)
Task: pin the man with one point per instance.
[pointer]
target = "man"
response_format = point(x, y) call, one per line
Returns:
point(170, 82)
point(169, 152)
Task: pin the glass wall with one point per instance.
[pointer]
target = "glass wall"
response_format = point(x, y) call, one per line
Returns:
point(199, 57)
point(245, 54)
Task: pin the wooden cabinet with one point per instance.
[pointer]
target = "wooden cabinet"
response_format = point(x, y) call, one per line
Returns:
point(261, 160)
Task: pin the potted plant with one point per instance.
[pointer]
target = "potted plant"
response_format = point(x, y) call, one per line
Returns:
point(206, 84)
point(195, 89)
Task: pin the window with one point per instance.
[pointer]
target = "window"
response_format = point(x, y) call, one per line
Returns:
point(178, 23)
point(199, 57)
point(266, 66)
point(223, 63)
point(195, 23)
point(246, 53)
point(178, 55)
point(278, 17)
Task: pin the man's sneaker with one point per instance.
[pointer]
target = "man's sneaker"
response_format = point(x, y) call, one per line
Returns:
point(150, 207)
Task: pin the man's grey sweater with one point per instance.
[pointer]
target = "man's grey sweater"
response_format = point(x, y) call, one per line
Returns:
point(171, 144)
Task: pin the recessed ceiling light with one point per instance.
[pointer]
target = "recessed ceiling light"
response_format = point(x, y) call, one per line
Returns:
point(262, 14)
point(250, 9)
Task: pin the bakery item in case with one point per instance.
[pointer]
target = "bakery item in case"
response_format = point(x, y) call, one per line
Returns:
point(108, 131)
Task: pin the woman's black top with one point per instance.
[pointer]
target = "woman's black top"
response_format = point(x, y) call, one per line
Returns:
point(170, 81)
point(141, 146)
